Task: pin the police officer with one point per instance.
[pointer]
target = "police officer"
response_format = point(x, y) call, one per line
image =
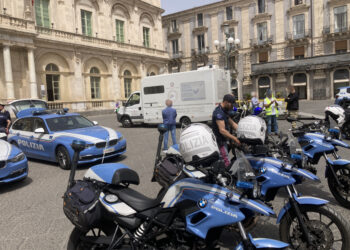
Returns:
point(5, 119)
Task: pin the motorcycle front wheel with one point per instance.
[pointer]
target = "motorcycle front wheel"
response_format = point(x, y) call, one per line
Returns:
point(327, 229)
point(341, 193)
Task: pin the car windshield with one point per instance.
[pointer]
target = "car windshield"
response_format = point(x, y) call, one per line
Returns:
point(68, 122)
point(26, 104)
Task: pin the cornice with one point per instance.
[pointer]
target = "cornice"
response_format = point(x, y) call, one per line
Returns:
point(200, 30)
point(298, 9)
point(261, 17)
point(337, 2)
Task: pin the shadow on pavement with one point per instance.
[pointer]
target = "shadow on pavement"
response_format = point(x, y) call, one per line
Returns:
point(12, 186)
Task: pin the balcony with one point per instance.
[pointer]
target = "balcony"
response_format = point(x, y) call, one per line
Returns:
point(300, 38)
point(17, 25)
point(334, 34)
point(199, 52)
point(78, 40)
point(259, 44)
point(177, 55)
point(173, 33)
point(311, 63)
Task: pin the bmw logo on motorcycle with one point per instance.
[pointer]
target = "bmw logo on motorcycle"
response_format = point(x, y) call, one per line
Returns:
point(202, 203)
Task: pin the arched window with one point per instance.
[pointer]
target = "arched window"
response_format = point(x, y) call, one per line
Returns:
point(95, 80)
point(52, 82)
point(152, 74)
point(127, 83)
point(340, 79)
point(264, 85)
point(300, 85)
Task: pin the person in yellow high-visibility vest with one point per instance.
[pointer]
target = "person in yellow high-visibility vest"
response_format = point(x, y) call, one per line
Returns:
point(271, 111)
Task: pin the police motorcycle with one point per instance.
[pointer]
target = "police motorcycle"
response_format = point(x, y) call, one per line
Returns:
point(3, 136)
point(303, 221)
point(189, 214)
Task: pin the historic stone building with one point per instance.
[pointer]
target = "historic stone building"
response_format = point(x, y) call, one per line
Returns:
point(81, 54)
point(300, 42)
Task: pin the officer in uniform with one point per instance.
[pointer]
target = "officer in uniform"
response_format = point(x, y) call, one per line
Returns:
point(5, 119)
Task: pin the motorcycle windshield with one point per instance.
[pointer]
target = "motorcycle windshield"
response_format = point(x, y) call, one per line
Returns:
point(243, 170)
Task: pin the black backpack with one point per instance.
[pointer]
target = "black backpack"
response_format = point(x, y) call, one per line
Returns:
point(82, 206)
point(168, 171)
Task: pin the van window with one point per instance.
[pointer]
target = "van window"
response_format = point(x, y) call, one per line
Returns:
point(153, 90)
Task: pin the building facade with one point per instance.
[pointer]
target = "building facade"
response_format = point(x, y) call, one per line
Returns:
point(282, 42)
point(80, 54)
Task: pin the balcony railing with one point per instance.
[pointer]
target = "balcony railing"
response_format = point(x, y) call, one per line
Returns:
point(203, 51)
point(301, 35)
point(327, 30)
point(258, 42)
point(177, 55)
point(17, 24)
point(78, 39)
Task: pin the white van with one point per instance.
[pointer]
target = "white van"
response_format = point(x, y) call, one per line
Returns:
point(195, 94)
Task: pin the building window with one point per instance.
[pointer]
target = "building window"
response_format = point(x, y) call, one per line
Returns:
point(127, 83)
point(175, 44)
point(340, 19)
point(200, 20)
point(234, 88)
point(341, 79)
point(52, 82)
point(95, 80)
point(262, 32)
point(146, 37)
point(86, 27)
point(263, 57)
point(297, 2)
point(261, 6)
point(201, 42)
point(341, 46)
point(119, 30)
point(229, 13)
point(299, 52)
point(42, 16)
point(298, 26)
point(152, 74)
point(264, 85)
point(300, 83)
point(174, 25)
point(232, 62)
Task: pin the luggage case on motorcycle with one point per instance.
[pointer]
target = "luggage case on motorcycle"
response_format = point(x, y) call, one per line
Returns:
point(168, 171)
point(81, 205)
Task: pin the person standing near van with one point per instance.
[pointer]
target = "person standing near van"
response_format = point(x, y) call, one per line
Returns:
point(271, 109)
point(5, 120)
point(169, 119)
point(292, 104)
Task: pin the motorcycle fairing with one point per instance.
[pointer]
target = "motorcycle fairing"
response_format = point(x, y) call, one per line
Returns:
point(339, 162)
point(302, 200)
point(118, 207)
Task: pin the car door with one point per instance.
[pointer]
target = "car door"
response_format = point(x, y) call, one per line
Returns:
point(134, 109)
point(23, 132)
point(42, 148)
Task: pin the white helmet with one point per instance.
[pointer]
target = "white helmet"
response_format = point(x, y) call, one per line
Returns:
point(336, 112)
point(198, 144)
point(252, 130)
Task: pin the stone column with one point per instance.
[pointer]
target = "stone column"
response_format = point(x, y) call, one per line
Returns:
point(8, 73)
point(116, 83)
point(32, 74)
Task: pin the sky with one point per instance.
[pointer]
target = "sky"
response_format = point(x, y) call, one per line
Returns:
point(172, 6)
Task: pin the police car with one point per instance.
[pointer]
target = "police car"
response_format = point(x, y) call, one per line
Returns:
point(46, 135)
point(13, 163)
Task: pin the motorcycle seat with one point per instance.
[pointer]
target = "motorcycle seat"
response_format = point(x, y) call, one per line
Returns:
point(136, 200)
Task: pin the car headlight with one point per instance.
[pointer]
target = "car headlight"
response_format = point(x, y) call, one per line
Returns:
point(17, 158)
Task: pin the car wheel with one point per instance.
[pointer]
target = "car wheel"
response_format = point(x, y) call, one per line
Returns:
point(63, 158)
point(126, 122)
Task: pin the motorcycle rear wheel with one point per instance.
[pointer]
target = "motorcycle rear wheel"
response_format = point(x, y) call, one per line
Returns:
point(341, 194)
point(320, 221)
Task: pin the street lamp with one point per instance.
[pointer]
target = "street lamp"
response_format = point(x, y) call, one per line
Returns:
point(226, 47)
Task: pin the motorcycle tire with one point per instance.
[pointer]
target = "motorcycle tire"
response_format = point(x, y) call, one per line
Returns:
point(75, 239)
point(346, 130)
point(341, 193)
point(320, 231)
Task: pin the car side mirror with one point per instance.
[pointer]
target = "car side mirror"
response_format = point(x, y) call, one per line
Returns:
point(95, 123)
point(39, 131)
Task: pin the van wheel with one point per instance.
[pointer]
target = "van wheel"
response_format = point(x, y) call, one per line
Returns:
point(126, 122)
point(185, 121)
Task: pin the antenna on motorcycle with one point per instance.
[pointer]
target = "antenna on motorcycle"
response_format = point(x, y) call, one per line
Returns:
point(77, 146)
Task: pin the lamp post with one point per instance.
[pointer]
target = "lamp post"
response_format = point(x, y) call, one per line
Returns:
point(226, 47)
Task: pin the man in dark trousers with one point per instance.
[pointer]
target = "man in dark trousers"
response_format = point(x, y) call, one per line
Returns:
point(292, 104)
point(221, 123)
point(5, 120)
point(169, 119)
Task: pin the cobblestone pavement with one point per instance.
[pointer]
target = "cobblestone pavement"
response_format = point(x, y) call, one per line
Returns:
point(31, 215)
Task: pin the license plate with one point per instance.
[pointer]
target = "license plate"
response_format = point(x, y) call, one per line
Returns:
point(108, 150)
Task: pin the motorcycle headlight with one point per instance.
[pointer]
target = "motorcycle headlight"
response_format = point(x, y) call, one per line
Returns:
point(17, 158)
